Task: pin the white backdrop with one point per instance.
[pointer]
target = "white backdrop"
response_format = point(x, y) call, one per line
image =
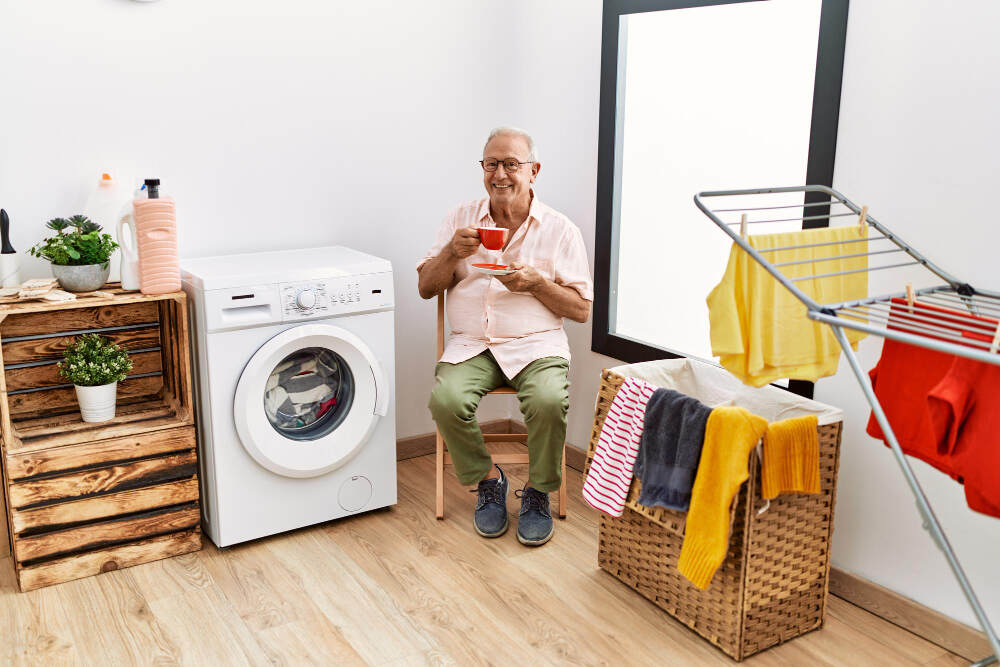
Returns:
point(277, 125)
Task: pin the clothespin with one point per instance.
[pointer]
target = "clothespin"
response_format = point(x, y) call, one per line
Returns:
point(743, 225)
point(862, 220)
point(996, 341)
point(910, 298)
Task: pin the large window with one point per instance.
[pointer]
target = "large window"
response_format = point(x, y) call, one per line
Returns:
point(700, 95)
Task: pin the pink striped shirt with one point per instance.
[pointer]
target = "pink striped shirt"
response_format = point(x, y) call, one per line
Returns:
point(485, 315)
point(610, 474)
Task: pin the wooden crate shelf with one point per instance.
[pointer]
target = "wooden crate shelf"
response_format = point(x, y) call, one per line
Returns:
point(86, 498)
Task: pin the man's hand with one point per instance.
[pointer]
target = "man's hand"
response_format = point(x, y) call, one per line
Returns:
point(524, 279)
point(464, 242)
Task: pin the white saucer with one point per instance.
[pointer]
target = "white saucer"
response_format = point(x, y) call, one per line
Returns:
point(494, 269)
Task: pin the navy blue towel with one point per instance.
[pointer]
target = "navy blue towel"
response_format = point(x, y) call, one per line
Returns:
point(670, 448)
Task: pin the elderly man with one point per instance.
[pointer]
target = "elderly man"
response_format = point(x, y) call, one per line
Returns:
point(507, 330)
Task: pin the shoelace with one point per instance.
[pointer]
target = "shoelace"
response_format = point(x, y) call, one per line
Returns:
point(533, 499)
point(491, 490)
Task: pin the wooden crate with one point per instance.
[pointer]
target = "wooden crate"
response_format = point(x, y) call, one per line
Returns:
point(86, 498)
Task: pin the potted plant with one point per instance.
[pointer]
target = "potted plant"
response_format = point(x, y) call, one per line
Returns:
point(95, 365)
point(79, 252)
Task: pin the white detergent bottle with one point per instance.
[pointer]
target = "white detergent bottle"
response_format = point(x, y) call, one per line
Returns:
point(129, 244)
point(102, 207)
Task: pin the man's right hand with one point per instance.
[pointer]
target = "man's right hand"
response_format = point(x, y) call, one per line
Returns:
point(464, 242)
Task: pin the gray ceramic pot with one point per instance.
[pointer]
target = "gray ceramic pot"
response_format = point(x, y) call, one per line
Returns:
point(85, 278)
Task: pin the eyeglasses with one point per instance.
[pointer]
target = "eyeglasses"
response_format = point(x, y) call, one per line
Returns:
point(510, 164)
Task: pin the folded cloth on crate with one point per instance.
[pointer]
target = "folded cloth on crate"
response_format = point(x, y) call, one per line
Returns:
point(670, 447)
point(941, 407)
point(610, 473)
point(790, 462)
point(731, 434)
point(760, 331)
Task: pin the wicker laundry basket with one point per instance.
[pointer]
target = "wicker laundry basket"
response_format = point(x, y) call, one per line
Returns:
point(772, 586)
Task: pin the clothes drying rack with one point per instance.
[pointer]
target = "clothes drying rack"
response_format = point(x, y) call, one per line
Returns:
point(922, 325)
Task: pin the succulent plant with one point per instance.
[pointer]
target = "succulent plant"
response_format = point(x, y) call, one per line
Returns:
point(57, 224)
point(77, 242)
point(84, 224)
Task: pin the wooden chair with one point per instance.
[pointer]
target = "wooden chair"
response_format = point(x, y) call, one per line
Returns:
point(444, 458)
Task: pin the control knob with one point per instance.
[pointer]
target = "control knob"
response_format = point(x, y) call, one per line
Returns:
point(305, 299)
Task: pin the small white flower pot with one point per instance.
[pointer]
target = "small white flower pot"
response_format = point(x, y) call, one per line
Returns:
point(97, 404)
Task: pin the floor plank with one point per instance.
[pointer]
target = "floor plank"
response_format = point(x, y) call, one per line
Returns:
point(398, 587)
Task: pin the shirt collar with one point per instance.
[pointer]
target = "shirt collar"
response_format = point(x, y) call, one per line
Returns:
point(535, 209)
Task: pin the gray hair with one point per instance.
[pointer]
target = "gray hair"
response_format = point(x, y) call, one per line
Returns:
point(518, 132)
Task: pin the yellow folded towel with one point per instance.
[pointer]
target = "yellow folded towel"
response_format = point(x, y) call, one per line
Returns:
point(791, 457)
point(760, 331)
point(731, 433)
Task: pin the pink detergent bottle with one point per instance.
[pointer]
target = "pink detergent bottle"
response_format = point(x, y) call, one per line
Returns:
point(156, 236)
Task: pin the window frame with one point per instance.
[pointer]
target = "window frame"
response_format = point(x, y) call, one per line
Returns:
point(821, 154)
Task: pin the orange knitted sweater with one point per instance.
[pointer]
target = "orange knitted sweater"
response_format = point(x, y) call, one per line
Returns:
point(731, 433)
point(791, 457)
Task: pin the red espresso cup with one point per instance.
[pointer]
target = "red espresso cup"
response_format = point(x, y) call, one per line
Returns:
point(493, 238)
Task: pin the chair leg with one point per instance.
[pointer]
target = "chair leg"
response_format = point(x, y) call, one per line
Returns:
point(439, 477)
point(562, 487)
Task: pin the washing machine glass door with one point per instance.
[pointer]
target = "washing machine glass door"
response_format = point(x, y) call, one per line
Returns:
point(308, 400)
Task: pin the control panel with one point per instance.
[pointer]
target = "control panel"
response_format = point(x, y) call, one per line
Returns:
point(334, 296)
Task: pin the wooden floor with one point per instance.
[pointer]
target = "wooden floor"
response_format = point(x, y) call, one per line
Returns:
point(397, 587)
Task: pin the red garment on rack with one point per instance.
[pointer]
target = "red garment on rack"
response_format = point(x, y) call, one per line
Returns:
point(930, 398)
point(902, 379)
point(965, 418)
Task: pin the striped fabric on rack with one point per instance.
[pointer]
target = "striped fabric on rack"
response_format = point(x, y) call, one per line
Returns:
point(610, 474)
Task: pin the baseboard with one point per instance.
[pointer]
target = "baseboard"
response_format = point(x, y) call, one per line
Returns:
point(420, 445)
point(922, 621)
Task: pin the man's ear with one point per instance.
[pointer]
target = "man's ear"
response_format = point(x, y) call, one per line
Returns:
point(535, 168)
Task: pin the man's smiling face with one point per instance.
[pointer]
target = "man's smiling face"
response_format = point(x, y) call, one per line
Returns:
point(508, 188)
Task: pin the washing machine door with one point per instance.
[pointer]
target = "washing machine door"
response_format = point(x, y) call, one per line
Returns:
point(309, 399)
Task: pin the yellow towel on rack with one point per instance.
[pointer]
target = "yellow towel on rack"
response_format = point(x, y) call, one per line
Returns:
point(760, 331)
point(731, 433)
point(791, 457)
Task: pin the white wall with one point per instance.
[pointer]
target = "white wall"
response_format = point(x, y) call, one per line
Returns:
point(275, 125)
point(917, 143)
point(279, 125)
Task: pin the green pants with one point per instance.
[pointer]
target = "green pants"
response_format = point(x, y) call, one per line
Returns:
point(543, 390)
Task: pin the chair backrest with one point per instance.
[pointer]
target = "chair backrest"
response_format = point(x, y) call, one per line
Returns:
point(440, 338)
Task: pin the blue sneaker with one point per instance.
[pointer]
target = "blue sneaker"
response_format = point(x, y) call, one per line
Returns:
point(491, 507)
point(534, 522)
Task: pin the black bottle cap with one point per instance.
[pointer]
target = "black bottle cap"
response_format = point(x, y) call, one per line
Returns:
point(152, 188)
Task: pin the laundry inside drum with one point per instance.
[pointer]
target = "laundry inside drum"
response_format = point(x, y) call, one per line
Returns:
point(309, 393)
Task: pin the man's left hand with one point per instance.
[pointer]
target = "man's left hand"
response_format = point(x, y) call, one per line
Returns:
point(524, 279)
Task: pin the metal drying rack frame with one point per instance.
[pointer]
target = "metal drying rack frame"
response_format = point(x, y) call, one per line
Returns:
point(916, 316)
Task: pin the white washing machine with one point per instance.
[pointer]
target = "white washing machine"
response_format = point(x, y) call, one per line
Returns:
point(295, 366)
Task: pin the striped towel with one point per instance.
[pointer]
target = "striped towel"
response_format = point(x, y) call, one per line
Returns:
point(610, 472)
